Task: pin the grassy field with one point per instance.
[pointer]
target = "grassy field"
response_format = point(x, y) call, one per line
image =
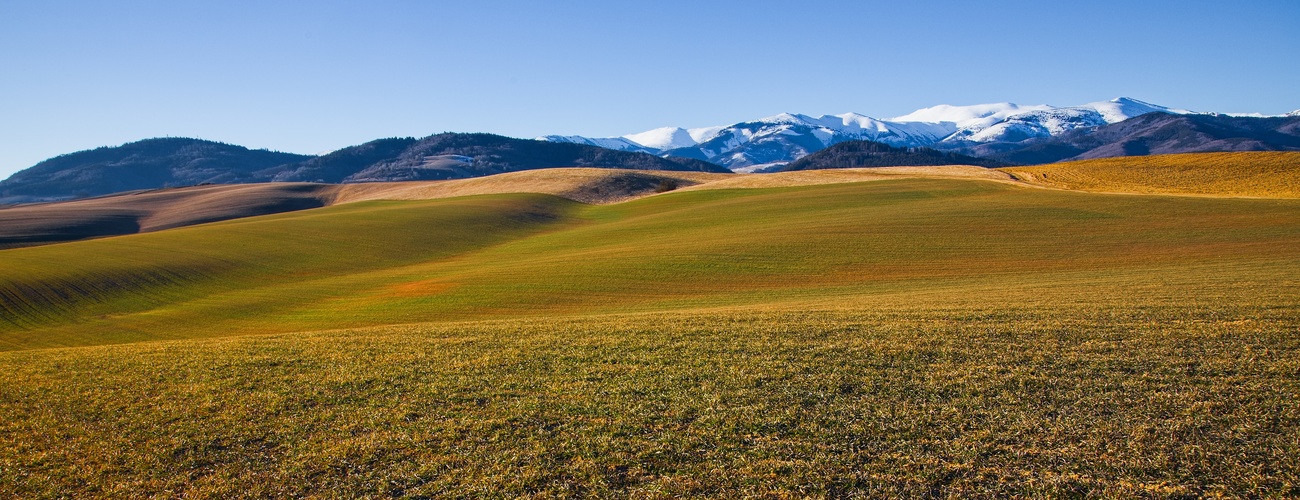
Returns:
point(504, 256)
point(917, 336)
point(1067, 401)
point(1265, 174)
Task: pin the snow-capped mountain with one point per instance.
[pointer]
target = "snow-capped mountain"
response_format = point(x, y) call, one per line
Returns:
point(1007, 122)
point(617, 143)
point(660, 139)
point(787, 137)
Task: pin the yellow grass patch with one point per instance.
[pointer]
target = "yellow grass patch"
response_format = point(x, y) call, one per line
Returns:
point(587, 185)
point(1246, 174)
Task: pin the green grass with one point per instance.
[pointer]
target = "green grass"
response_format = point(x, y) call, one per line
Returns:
point(199, 280)
point(914, 337)
point(533, 255)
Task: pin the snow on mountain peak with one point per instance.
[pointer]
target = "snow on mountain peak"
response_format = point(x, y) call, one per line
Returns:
point(663, 138)
point(978, 115)
point(666, 138)
point(1293, 113)
point(786, 118)
point(618, 143)
point(1122, 108)
point(788, 136)
point(705, 133)
point(855, 121)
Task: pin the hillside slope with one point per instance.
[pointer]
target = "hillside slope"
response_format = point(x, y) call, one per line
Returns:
point(501, 256)
point(154, 210)
point(940, 329)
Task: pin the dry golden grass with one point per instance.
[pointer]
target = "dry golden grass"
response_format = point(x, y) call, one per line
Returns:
point(586, 185)
point(155, 210)
point(601, 186)
point(1249, 174)
point(845, 175)
point(145, 211)
point(1246, 174)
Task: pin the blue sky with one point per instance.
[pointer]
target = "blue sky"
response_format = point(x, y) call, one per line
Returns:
point(308, 77)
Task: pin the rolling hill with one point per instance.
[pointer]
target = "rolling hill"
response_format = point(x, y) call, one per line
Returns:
point(154, 210)
point(893, 332)
point(326, 267)
point(146, 211)
point(1252, 174)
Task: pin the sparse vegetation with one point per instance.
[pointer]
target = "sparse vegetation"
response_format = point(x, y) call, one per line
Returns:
point(1004, 401)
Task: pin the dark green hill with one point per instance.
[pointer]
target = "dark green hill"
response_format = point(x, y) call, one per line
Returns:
point(147, 164)
point(172, 162)
point(336, 166)
point(455, 156)
point(859, 154)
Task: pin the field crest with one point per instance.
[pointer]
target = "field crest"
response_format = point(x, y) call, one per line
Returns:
point(1246, 174)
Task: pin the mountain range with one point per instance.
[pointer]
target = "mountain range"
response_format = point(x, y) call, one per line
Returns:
point(173, 162)
point(767, 143)
point(1150, 134)
point(987, 135)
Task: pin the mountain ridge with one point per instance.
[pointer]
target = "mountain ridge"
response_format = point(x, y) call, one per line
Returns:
point(1156, 133)
point(145, 164)
point(864, 154)
point(787, 137)
point(182, 162)
point(763, 144)
point(1003, 132)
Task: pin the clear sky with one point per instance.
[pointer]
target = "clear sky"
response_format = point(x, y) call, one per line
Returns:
point(313, 76)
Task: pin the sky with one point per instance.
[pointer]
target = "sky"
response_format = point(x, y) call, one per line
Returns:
point(311, 77)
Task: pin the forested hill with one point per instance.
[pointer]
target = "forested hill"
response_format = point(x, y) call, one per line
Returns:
point(858, 154)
